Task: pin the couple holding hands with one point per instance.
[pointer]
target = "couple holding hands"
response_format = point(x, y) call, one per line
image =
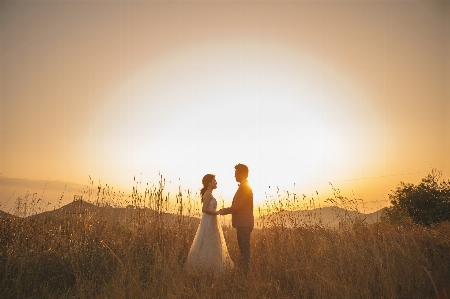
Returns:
point(209, 251)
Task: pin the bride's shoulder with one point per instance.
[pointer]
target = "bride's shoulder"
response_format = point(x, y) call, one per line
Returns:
point(207, 196)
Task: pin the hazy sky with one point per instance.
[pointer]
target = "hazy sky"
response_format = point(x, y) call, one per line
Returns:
point(356, 93)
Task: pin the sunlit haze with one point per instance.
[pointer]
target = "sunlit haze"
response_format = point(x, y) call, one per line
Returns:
point(306, 93)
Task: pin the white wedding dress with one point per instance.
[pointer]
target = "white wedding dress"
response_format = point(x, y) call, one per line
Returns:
point(209, 251)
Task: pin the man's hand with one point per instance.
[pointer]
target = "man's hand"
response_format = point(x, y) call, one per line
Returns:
point(221, 212)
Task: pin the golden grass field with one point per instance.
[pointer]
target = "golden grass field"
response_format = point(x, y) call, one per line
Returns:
point(139, 253)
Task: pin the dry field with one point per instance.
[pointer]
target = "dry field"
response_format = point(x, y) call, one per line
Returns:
point(139, 253)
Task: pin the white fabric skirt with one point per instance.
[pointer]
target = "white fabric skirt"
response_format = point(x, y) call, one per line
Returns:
point(209, 251)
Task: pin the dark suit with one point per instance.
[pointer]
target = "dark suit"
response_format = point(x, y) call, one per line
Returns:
point(241, 211)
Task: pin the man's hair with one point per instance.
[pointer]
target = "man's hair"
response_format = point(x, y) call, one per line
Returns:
point(242, 168)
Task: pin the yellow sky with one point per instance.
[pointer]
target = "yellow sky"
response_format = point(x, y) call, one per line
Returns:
point(308, 92)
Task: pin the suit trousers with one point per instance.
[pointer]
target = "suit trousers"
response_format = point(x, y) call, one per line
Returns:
point(243, 238)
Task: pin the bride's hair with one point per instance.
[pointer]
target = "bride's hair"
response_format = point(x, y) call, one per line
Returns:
point(205, 181)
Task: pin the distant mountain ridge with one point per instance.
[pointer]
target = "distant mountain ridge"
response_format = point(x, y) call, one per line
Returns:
point(327, 216)
point(5, 215)
point(80, 210)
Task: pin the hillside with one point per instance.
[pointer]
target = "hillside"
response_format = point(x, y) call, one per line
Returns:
point(328, 216)
point(4, 215)
point(81, 210)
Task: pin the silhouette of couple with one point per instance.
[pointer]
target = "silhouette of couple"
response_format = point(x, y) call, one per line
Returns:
point(208, 250)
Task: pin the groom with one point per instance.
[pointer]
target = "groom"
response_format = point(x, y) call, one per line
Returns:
point(241, 211)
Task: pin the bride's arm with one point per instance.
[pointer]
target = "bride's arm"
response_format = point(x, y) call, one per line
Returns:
point(206, 199)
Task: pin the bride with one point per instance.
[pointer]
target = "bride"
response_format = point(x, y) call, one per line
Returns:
point(208, 250)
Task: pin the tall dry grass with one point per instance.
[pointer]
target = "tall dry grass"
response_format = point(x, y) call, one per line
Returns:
point(93, 254)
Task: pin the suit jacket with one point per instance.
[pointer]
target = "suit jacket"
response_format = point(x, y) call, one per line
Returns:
point(241, 209)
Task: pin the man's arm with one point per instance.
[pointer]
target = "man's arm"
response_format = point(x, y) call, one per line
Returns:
point(239, 202)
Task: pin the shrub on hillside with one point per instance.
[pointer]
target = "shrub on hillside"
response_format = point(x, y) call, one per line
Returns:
point(425, 204)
